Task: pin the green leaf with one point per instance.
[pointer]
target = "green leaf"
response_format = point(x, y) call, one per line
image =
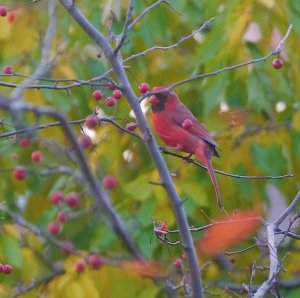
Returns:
point(269, 159)
point(12, 252)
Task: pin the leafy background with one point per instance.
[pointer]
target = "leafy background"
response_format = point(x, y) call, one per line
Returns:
point(253, 112)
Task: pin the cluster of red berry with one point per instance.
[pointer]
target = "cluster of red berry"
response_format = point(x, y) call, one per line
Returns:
point(6, 268)
point(94, 261)
point(4, 13)
point(20, 172)
point(57, 198)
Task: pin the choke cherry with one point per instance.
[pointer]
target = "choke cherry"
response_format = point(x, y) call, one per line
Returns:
point(91, 121)
point(144, 87)
point(72, 199)
point(54, 228)
point(84, 141)
point(36, 156)
point(277, 63)
point(80, 266)
point(177, 263)
point(95, 261)
point(20, 173)
point(97, 94)
point(109, 182)
point(7, 69)
point(67, 246)
point(111, 85)
point(117, 94)
point(3, 11)
point(7, 269)
point(110, 101)
point(62, 217)
point(56, 198)
point(187, 124)
point(24, 142)
point(131, 126)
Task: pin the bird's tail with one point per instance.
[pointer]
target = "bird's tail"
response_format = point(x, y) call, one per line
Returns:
point(205, 159)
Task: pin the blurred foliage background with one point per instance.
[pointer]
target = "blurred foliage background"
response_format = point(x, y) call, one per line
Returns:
point(253, 112)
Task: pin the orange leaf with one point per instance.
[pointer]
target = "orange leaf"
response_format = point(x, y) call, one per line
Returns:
point(145, 269)
point(225, 232)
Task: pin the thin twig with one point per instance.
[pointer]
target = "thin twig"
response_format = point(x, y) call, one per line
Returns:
point(122, 38)
point(287, 211)
point(225, 173)
point(228, 68)
point(36, 283)
point(144, 12)
point(80, 121)
point(180, 41)
point(44, 64)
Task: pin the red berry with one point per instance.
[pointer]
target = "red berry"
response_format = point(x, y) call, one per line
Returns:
point(91, 121)
point(277, 63)
point(184, 257)
point(109, 182)
point(131, 126)
point(24, 142)
point(110, 101)
point(67, 246)
point(95, 261)
point(1, 268)
point(187, 124)
point(56, 198)
point(3, 11)
point(111, 85)
point(14, 155)
point(11, 17)
point(7, 269)
point(177, 263)
point(62, 217)
point(7, 69)
point(36, 156)
point(117, 94)
point(144, 87)
point(20, 173)
point(72, 199)
point(84, 141)
point(97, 94)
point(80, 266)
point(54, 228)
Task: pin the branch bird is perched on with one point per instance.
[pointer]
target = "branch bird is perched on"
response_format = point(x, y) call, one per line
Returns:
point(177, 127)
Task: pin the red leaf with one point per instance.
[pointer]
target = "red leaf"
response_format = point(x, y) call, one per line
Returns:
point(225, 232)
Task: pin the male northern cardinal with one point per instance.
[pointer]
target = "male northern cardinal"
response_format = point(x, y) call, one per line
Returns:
point(178, 128)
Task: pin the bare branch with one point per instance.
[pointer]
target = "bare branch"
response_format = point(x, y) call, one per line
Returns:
point(44, 63)
point(273, 271)
point(122, 38)
point(144, 12)
point(183, 39)
point(38, 282)
point(189, 160)
point(216, 72)
point(287, 211)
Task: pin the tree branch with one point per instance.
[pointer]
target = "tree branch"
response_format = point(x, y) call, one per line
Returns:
point(165, 176)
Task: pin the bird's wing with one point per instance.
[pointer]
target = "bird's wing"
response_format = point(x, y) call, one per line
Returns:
point(197, 128)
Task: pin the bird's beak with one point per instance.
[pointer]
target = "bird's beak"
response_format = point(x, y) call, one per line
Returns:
point(153, 100)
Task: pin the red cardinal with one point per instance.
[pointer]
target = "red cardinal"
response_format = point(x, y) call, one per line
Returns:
point(178, 128)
